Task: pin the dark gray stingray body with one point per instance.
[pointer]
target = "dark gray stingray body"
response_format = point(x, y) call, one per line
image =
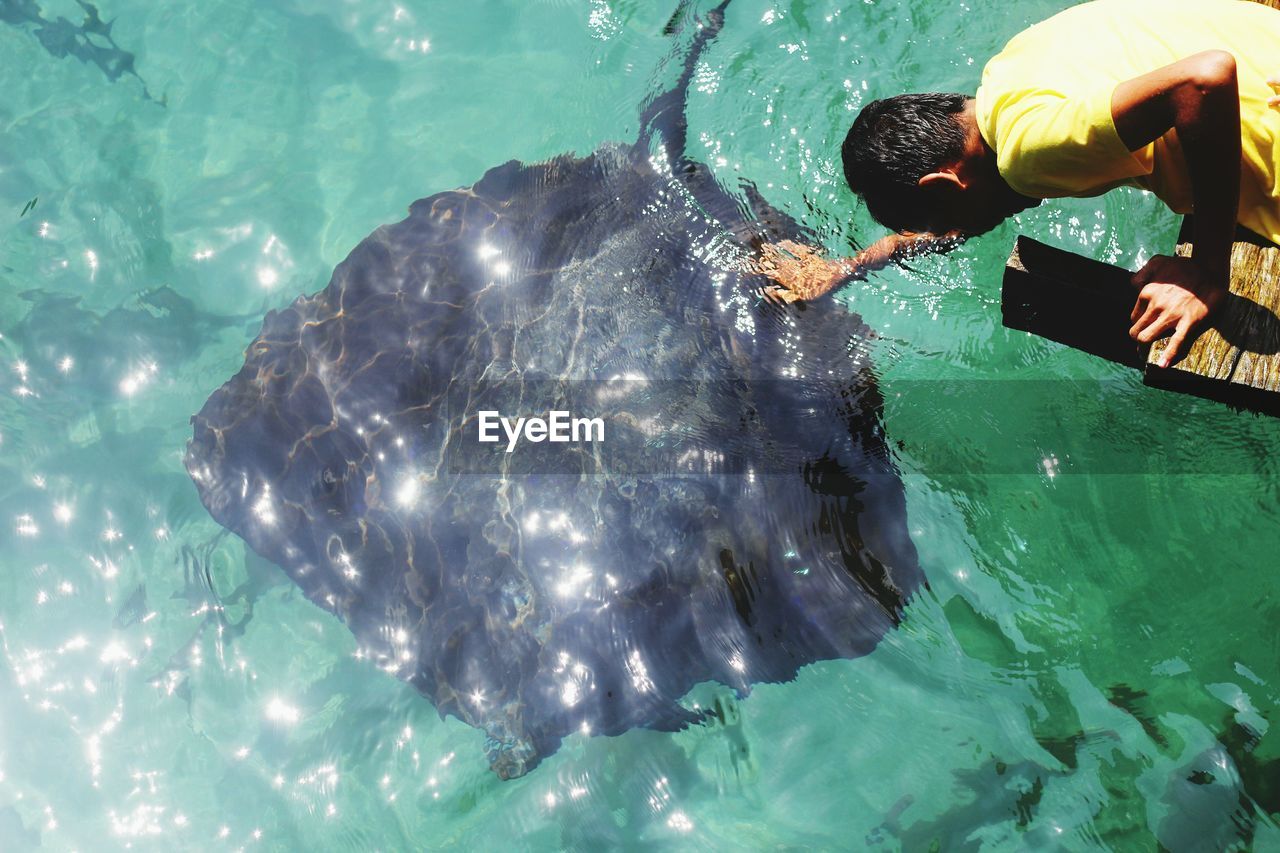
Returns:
point(740, 518)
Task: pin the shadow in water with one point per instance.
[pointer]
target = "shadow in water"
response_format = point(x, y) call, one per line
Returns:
point(90, 41)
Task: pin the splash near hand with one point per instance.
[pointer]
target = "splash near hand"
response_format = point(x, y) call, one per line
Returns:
point(801, 272)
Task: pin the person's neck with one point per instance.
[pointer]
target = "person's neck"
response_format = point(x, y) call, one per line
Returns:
point(982, 157)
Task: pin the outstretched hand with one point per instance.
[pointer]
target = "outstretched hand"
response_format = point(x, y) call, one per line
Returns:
point(1175, 295)
point(801, 272)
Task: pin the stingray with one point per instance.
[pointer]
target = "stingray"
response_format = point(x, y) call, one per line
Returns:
point(739, 516)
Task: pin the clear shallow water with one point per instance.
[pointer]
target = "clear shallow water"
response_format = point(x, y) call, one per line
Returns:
point(1094, 664)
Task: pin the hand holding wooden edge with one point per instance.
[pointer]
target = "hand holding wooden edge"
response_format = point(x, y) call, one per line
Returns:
point(1087, 305)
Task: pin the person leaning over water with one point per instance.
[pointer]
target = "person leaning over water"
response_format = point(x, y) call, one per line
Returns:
point(1172, 96)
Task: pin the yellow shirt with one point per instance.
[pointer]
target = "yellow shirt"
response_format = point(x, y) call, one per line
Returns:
point(1045, 100)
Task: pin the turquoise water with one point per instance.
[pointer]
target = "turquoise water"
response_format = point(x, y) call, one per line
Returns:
point(1095, 662)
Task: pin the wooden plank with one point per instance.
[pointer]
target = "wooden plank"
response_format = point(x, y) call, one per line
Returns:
point(1086, 304)
point(1259, 365)
point(1070, 299)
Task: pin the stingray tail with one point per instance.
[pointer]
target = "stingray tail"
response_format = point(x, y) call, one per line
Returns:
point(664, 114)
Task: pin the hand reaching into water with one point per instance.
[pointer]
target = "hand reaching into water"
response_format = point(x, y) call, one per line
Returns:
point(801, 272)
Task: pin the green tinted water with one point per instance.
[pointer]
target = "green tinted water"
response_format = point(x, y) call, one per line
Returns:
point(1095, 663)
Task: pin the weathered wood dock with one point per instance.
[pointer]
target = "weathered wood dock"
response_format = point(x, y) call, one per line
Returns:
point(1086, 304)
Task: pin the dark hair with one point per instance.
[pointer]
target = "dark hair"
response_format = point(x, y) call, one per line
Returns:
point(893, 143)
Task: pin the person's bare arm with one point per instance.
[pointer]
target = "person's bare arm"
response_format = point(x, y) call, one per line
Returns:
point(803, 273)
point(1199, 98)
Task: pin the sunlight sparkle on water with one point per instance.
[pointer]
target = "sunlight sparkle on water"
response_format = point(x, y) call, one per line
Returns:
point(680, 822)
point(263, 507)
point(115, 652)
point(133, 382)
point(408, 492)
point(280, 711)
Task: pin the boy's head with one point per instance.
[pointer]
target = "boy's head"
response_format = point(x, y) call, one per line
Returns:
point(920, 165)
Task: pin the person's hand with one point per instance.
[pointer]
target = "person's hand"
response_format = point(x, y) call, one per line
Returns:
point(1274, 83)
point(801, 272)
point(1175, 295)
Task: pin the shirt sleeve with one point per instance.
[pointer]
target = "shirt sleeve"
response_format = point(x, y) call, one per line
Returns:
point(1050, 145)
